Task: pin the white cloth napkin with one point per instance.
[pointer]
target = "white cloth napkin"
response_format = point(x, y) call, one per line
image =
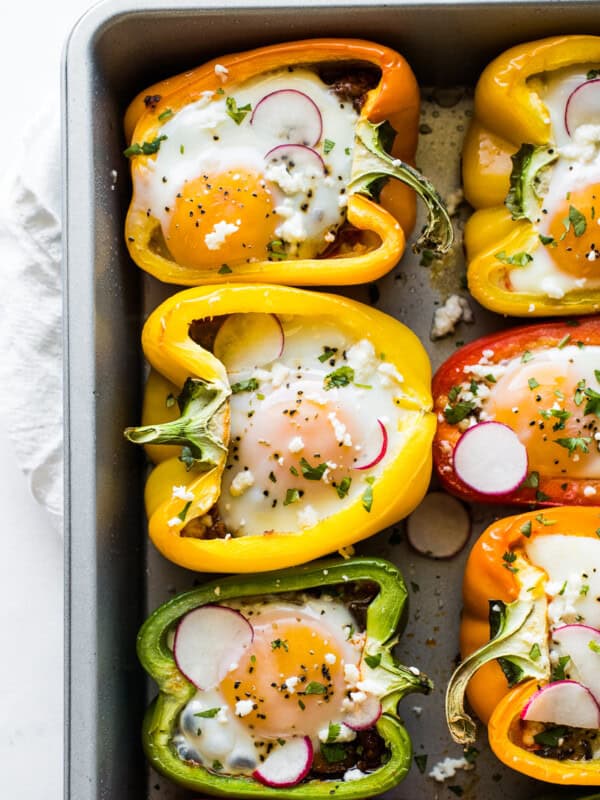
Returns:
point(31, 318)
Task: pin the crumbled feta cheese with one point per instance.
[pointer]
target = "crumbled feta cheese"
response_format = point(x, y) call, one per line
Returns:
point(330, 658)
point(351, 674)
point(307, 517)
point(243, 708)
point(297, 182)
point(222, 71)
point(291, 683)
point(447, 768)
point(361, 357)
point(296, 444)
point(446, 317)
point(531, 308)
point(219, 233)
point(241, 483)
point(583, 145)
point(339, 430)
point(358, 697)
point(589, 491)
point(222, 717)
point(182, 493)
point(418, 710)
point(329, 237)
point(174, 521)
point(279, 374)
point(564, 596)
point(354, 774)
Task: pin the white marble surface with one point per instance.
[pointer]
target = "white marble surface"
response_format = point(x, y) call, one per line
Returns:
point(31, 564)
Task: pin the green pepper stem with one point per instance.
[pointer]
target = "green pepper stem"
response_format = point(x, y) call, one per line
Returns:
point(371, 163)
point(198, 429)
point(520, 625)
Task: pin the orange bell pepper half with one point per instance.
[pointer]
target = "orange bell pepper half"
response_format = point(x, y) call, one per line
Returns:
point(519, 588)
point(207, 217)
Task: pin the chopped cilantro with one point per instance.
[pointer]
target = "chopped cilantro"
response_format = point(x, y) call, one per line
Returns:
point(208, 714)
point(518, 259)
point(342, 376)
point(577, 220)
point(551, 736)
point(312, 473)
point(291, 496)
point(532, 383)
point(548, 240)
point(526, 529)
point(594, 646)
point(527, 356)
point(592, 405)
point(458, 412)
point(250, 385)
point(328, 352)
point(564, 341)
point(333, 752)
point(145, 148)
point(279, 644)
point(314, 687)
point(343, 487)
point(558, 673)
point(535, 652)
point(421, 762)
point(168, 112)
point(276, 248)
point(224, 269)
point(333, 731)
point(574, 443)
point(328, 146)
point(237, 114)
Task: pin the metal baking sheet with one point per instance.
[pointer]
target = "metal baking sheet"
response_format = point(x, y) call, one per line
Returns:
point(114, 576)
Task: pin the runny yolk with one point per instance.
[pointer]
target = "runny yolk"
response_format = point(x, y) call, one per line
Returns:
point(576, 234)
point(538, 403)
point(293, 674)
point(196, 236)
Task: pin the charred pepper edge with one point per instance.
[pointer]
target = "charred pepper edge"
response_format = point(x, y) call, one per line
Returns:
point(384, 617)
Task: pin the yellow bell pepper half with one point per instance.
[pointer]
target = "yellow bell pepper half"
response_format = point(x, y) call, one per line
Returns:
point(509, 150)
point(185, 485)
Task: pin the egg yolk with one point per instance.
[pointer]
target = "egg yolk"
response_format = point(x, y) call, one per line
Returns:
point(290, 428)
point(538, 403)
point(293, 674)
point(576, 236)
point(221, 219)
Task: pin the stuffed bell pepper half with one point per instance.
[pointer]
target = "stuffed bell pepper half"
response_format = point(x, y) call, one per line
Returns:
point(271, 165)
point(280, 434)
point(531, 168)
point(282, 685)
point(530, 640)
point(519, 416)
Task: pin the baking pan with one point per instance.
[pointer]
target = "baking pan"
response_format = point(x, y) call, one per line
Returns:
point(114, 578)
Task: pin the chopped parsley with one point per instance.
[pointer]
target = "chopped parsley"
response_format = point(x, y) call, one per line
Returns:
point(367, 495)
point(314, 687)
point(532, 383)
point(280, 644)
point(577, 220)
point(333, 731)
point(224, 269)
point(558, 673)
point(551, 736)
point(527, 356)
point(421, 762)
point(328, 146)
point(548, 240)
point(237, 114)
point(333, 752)
point(594, 646)
point(168, 112)
point(592, 405)
point(526, 529)
point(509, 558)
point(532, 481)
point(276, 248)
point(535, 652)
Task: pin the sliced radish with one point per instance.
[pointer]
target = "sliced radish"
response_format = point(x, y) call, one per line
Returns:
point(383, 445)
point(289, 116)
point(440, 526)
point(365, 715)
point(583, 106)
point(208, 641)
point(249, 340)
point(491, 459)
point(287, 765)
point(584, 666)
point(297, 158)
point(563, 703)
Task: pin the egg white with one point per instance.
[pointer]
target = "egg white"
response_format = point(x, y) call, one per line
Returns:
point(224, 739)
point(295, 383)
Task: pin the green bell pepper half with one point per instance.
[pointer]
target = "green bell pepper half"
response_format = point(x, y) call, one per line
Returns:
point(385, 618)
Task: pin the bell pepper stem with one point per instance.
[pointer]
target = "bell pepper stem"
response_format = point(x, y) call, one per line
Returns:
point(528, 180)
point(202, 406)
point(372, 163)
point(520, 643)
point(400, 681)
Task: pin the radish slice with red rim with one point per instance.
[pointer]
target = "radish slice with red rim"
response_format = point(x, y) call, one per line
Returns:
point(249, 340)
point(439, 527)
point(365, 715)
point(288, 116)
point(563, 703)
point(208, 641)
point(288, 764)
point(582, 644)
point(297, 158)
point(583, 106)
point(491, 459)
point(382, 448)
